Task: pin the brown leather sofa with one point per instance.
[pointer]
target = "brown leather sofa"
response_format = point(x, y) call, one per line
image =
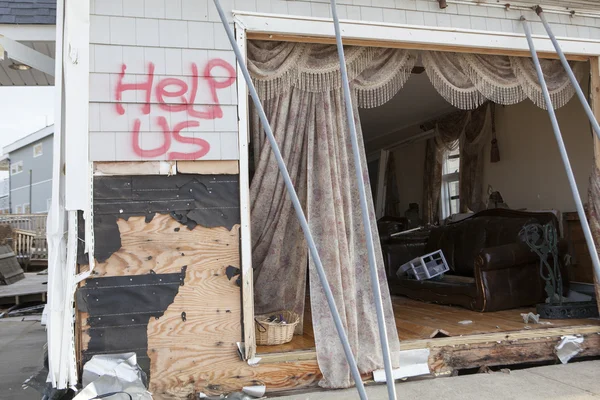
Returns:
point(490, 268)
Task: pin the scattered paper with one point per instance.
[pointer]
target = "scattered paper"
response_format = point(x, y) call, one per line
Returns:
point(114, 373)
point(254, 361)
point(531, 317)
point(465, 322)
point(568, 348)
point(256, 391)
point(412, 363)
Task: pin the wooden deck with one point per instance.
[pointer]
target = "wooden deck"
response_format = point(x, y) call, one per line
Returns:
point(33, 288)
point(497, 338)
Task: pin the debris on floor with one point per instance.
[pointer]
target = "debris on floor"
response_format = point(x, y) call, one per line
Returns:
point(465, 322)
point(531, 317)
point(231, 396)
point(439, 333)
point(116, 374)
point(412, 363)
point(568, 348)
point(38, 309)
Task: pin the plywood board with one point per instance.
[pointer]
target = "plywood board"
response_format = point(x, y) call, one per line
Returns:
point(209, 167)
point(198, 354)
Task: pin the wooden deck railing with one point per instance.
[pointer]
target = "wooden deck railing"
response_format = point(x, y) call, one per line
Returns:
point(28, 222)
point(29, 236)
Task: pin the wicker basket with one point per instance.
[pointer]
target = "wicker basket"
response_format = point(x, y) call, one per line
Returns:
point(274, 333)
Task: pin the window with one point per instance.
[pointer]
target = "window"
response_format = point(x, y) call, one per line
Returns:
point(26, 208)
point(19, 210)
point(16, 167)
point(450, 183)
point(38, 150)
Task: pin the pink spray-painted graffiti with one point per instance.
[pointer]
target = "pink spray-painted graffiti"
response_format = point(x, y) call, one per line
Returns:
point(175, 95)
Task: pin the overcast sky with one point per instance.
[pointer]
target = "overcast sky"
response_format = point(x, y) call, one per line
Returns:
point(24, 110)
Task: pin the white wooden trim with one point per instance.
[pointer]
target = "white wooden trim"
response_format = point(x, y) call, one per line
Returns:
point(26, 55)
point(76, 64)
point(410, 34)
point(29, 33)
point(587, 7)
point(245, 231)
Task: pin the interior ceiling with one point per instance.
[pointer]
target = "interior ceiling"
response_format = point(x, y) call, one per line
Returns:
point(417, 102)
point(32, 77)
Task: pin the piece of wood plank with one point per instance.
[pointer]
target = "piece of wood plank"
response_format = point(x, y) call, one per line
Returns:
point(403, 45)
point(500, 337)
point(595, 105)
point(468, 356)
point(245, 236)
point(209, 167)
point(135, 168)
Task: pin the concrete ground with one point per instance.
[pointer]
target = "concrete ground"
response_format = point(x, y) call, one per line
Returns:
point(21, 355)
point(575, 381)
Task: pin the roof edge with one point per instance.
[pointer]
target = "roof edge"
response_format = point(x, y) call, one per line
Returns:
point(29, 139)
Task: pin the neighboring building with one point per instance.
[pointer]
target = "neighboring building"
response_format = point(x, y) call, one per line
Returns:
point(30, 174)
point(4, 186)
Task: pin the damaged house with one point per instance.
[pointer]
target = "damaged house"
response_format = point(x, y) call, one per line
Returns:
point(172, 236)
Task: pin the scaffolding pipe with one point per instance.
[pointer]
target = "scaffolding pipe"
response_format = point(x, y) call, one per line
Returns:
point(297, 206)
point(563, 153)
point(572, 77)
point(383, 337)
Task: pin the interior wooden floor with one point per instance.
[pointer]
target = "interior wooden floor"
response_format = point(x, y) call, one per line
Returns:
point(416, 320)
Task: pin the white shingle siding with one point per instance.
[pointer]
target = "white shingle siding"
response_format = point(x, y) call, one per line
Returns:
point(173, 34)
point(137, 33)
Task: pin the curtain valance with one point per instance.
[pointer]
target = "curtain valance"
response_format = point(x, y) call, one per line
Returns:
point(465, 80)
point(468, 80)
point(377, 74)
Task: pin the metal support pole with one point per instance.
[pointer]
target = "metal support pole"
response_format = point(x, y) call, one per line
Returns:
point(297, 206)
point(567, 67)
point(563, 153)
point(383, 338)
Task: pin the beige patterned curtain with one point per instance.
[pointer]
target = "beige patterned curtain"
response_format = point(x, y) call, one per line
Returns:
point(432, 182)
point(306, 112)
point(470, 130)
